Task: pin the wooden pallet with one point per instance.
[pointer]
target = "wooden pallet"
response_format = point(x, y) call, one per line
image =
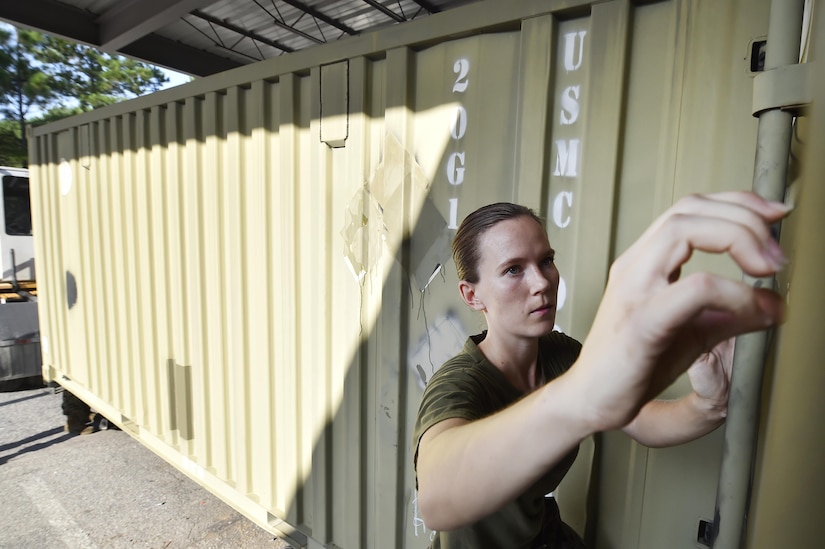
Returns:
point(8, 291)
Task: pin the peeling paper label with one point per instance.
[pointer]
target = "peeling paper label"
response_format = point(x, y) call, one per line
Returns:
point(364, 233)
point(375, 213)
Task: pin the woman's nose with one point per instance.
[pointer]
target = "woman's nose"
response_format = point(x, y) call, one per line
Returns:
point(540, 280)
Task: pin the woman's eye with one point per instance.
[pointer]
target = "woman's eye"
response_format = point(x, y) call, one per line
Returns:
point(515, 269)
point(549, 260)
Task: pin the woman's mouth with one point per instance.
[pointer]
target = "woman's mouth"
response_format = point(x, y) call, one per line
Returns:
point(543, 310)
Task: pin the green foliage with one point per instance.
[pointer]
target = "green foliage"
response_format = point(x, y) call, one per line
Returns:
point(93, 78)
point(43, 79)
point(54, 114)
point(23, 84)
point(11, 153)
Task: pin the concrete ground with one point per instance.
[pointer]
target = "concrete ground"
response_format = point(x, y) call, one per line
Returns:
point(102, 490)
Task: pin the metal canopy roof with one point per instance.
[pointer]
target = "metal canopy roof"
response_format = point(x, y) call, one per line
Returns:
point(202, 37)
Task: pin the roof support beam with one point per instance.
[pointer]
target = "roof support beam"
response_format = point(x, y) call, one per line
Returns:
point(161, 51)
point(429, 6)
point(278, 23)
point(54, 18)
point(386, 11)
point(318, 15)
point(126, 22)
point(243, 32)
point(59, 19)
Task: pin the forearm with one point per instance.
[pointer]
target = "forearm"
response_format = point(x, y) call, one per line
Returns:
point(662, 423)
point(468, 471)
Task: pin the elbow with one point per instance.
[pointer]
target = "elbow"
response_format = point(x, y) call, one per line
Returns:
point(429, 512)
point(436, 512)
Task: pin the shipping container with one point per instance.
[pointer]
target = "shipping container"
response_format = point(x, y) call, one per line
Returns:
point(251, 273)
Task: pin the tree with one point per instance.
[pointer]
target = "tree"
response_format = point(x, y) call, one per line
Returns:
point(11, 153)
point(43, 78)
point(23, 85)
point(93, 78)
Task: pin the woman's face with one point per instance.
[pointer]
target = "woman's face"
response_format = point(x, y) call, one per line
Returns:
point(518, 279)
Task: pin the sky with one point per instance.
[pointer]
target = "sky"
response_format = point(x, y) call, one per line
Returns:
point(175, 78)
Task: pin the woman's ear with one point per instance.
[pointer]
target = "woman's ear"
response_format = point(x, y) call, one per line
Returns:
point(469, 295)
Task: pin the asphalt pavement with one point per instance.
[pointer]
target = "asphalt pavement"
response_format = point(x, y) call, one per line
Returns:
point(101, 490)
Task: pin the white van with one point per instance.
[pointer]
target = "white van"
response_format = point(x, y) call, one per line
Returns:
point(16, 242)
point(20, 357)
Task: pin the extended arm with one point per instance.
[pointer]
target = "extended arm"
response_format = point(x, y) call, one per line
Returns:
point(662, 423)
point(467, 470)
point(650, 327)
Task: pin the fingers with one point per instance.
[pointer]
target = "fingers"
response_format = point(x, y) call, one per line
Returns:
point(725, 350)
point(711, 372)
point(749, 244)
point(715, 308)
point(741, 206)
point(771, 211)
point(737, 223)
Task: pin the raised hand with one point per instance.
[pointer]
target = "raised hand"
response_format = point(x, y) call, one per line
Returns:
point(653, 324)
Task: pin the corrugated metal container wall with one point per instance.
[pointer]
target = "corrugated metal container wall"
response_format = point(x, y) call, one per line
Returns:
point(249, 273)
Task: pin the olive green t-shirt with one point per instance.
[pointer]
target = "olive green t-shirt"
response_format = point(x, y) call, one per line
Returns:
point(469, 387)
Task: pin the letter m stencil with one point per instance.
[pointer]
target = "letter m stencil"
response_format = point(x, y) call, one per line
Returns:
point(567, 157)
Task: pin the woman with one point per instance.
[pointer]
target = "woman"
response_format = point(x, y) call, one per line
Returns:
point(500, 424)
